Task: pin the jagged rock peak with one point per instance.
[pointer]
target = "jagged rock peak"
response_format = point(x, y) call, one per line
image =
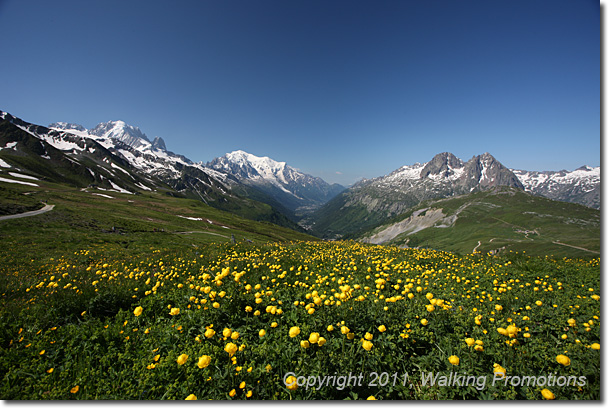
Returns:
point(67, 126)
point(442, 164)
point(159, 144)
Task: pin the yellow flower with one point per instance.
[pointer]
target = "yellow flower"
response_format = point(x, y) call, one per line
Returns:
point(304, 344)
point(538, 303)
point(226, 332)
point(478, 348)
point(368, 336)
point(547, 394)
point(204, 361)
point(321, 341)
point(50, 370)
point(294, 331)
point(314, 337)
point(235, 335)
point(454, 360)
point(291, 383)
point(498, 307)
point(499, 370)
point(367, 345)
point(330, 328)
point(595, 346)
point(74, 389)
point(344, 330)
point(232, 393)
point(430, 308)
point(42, 352)
point(182, 359)
point(526, 335)
point(371, 398)
point(424, 322)
point(191, 397)
point(231, 348)
point(470, 341)
point(209, 333)
point(157, 357)
point(174, 311)
point(262, 332)
point(350, 336)
point(564, 360)
point(382, 328)
point(249, 394)
point(274, 324)
point(138, 311)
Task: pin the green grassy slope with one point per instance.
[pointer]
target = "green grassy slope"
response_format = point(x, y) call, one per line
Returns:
point(507, 219)
point(130, 223)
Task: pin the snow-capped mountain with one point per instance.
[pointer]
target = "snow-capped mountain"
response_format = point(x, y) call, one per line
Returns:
point(371, 201)
point(292, 188)
point(581, 186)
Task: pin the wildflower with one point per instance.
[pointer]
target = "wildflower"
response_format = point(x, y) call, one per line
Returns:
point(330, 328)
point(368, 336)
point(547, 394)
point(235, 335)
point(470, 341)
point(321, 341)
point(424, 322)
point(157, 357)
point(350, 336)
point(249, 394)
point(314, 337)
point(182, 359)
point(498, 307)
point(454, 360)
point(42, 352)
point(231, 348)
point(294, 331)
point(595, 346)
point(138, 311)
point(262, 332)
point(367, 345)
point(191, 397)
point(50, 370)
point(74, 389)
point(499, 370)
point(232, 393)
point(344, 330)
point(174, 311)
point(371, 398)
point(274, 324)
point(564, 360)
point(209, 333)
point(381, 328)
point(226, 332)
point(304, 344)
point(204, 361)
point(291, 383)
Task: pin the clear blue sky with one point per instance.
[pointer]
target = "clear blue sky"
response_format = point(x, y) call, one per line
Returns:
point(339, 89)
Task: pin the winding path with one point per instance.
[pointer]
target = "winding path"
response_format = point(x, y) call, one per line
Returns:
point(44, 209)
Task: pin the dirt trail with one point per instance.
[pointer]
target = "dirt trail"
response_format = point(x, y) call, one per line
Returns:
point(575, 247)
point(44, 209)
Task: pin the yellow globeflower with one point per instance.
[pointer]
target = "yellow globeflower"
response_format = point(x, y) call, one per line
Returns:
point(499, 370)
point(424, 322)
point(209, 333)
point(262, 332)
point(191, 397)
point(294, 331)
point(367, 345)
point(304, 344)
point(562, 359)
point(182, 359)
point(74, 389)
point(498, 307)
point(430, 308)
point(547, 394)
point(470, 341)
point(382, 328)
point(138, 311)
point(368, 336)
point(344, 330)
point(321, 341)
point(330, 328)
point(371, 398)
point(226, 332)
point(291, 383)
point(595, 346)
point(174, 311)
point(454, 360)
point(235, 335)
point(314, 337)
point(231, 348)
point(273, 324)
point(350, 336)
point(204, 361)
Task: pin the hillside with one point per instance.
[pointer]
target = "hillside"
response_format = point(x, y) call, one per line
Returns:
point(501, 219)
point(85, 217)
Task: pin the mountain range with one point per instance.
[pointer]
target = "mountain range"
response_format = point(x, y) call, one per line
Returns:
point(119, 157)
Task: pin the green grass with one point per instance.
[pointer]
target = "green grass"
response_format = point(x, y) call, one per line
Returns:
point(500, 219)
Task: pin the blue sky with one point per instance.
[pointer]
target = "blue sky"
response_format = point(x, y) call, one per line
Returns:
point(339, 89)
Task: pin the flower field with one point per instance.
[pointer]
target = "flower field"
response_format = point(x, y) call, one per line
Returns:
point(300, 320)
